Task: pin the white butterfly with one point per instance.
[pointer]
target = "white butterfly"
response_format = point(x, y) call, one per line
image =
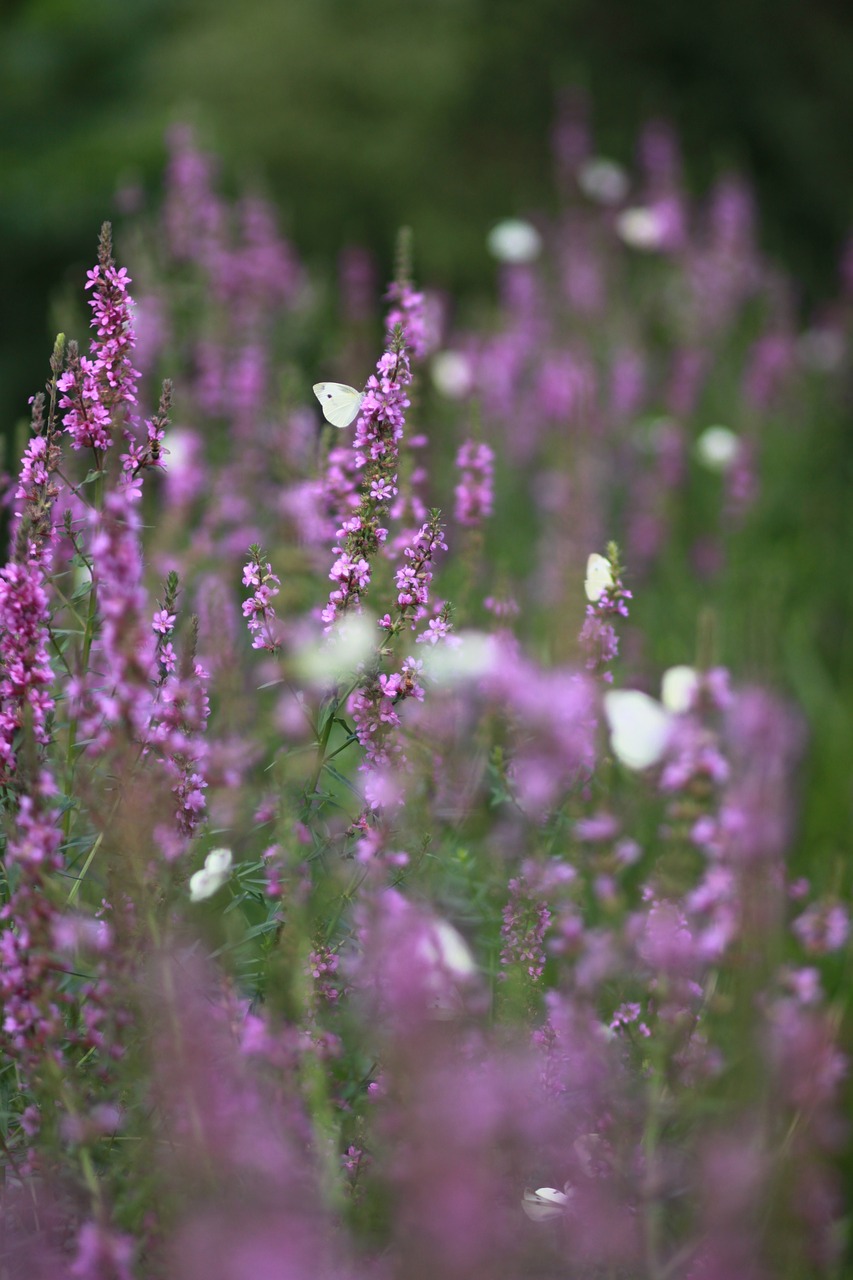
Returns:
point(545, 1202)
point(640, 727)
point(340, 403)
point(599, 577)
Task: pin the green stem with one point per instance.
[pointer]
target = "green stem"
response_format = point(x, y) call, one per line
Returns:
point(322, 743)
point(88, 639)
point(337, 751)
point(75, 888)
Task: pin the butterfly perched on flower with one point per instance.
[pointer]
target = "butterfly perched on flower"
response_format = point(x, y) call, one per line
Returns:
point(339, 402)
point(599, 577)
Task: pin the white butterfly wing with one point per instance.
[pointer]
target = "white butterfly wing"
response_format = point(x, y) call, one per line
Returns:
point(599, 577)
point(339, 402)
point(640, 727)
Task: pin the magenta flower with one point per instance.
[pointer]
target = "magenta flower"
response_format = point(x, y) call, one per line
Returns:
point(99, 391)
point(163, 621)
point(26, 675)
point(608, 600)
point(258, 610)
point(474, 493)
point(376, 447)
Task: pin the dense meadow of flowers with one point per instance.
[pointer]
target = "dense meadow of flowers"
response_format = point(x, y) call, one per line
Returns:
point(373, 904)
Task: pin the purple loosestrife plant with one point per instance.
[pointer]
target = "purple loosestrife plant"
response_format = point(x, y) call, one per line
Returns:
point(26, 675)
point(181, 716)
point(379, 429)
point(374, 704)
point(608, 600)
point(33, 1031)
point(376, 450)
point(559, 1012)
point(258, 610)
point(99, 391)
point(474, 492)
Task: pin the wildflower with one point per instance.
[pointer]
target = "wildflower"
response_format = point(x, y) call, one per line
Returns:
point(823, 927)
point(376, 447)
point(475, 491)
point(101, 1252)
point(258, 609)
point(413, 578)
point(526, 921)
point(352, 1160)
point(769, 365)
point(601, 827)
point(212, 876)
point(98, 390)
point(121, 698)
point(608, 600)
point(410, 314)
point(163, 622)
point(26, 675)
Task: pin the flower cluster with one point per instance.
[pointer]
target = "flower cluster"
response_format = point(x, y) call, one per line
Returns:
point(608, 599)
point(33, 1024)
point(258, 610)
point(180, 717)
point(414, 577)
point(98, 391)
point(474, 492)
point(148, 454)
point(525, 924)
point(26, 675)
point(117, 696)
point(25, 671)
point(228, 962)
point(379, 430)
point(373, 708)
point(408, 312)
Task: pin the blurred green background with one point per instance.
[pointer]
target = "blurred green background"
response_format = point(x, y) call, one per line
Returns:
point(358, 115)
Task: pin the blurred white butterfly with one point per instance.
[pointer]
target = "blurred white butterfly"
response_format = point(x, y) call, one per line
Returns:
point(640, 727)
point(599, 577)
point(340, 403)
point(545, 1202)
